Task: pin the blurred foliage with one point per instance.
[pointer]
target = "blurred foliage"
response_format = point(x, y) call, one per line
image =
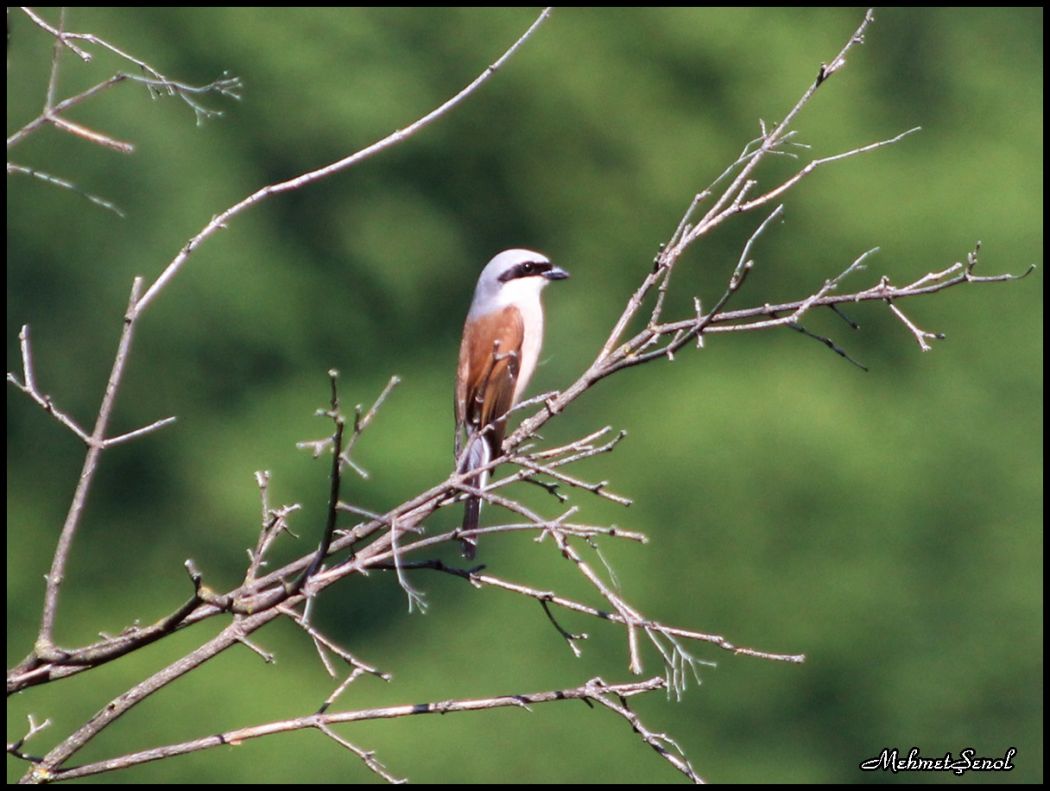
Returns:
point(887, 524)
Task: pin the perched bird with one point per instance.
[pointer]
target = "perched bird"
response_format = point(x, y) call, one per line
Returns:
point(500, 348)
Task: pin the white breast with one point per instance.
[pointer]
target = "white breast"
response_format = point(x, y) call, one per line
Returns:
point(532, 340)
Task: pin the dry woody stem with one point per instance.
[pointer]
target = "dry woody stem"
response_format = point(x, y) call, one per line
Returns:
point(354, 541)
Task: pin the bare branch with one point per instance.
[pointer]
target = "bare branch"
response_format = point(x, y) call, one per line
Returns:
point(266, 656)
point(478, 579)
point(920, 335)
point(791, 182)
point(666, 747)
point(69, 528)
point(13, 167)
point(65, 104)
point(829, 343)
point(325, 644)
point(335, 479)
point(416, 598)
point(594, 488)
point(387, 540)
point(52, 80)
point(220, 220)
point(15, 748)
point(155, 81)
point(593, 690)
point(157, 424)
point(255, 604)
point(723, 208)
point(363, 422)
point(367, 756)
point(28, 386)
point(274, 522)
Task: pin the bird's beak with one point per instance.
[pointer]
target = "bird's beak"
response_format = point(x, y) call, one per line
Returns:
point(556, 273)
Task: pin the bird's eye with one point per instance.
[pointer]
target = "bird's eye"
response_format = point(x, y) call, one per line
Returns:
point(528, 268)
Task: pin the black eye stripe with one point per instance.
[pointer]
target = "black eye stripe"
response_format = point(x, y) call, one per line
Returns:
point(525, 269)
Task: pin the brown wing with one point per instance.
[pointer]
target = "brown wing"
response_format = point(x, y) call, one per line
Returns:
point(489, 361)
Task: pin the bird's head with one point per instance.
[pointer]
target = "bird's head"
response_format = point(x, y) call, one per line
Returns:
point(515, 276)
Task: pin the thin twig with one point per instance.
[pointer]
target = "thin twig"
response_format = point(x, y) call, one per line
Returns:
point(222, 219)
point(261, 599)
point(666, 747)
point(28, 386)
point(69, 528)
point(477, 579)
point(13, 167)
point(589, 691)
point(153, 79)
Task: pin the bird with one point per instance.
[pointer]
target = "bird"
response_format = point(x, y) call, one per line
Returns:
point(501, 344)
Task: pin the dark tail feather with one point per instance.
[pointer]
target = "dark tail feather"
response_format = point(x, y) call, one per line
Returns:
point(476, 456)
point(471, 515)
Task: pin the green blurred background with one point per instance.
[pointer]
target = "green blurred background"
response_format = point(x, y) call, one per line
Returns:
point(887, 524)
